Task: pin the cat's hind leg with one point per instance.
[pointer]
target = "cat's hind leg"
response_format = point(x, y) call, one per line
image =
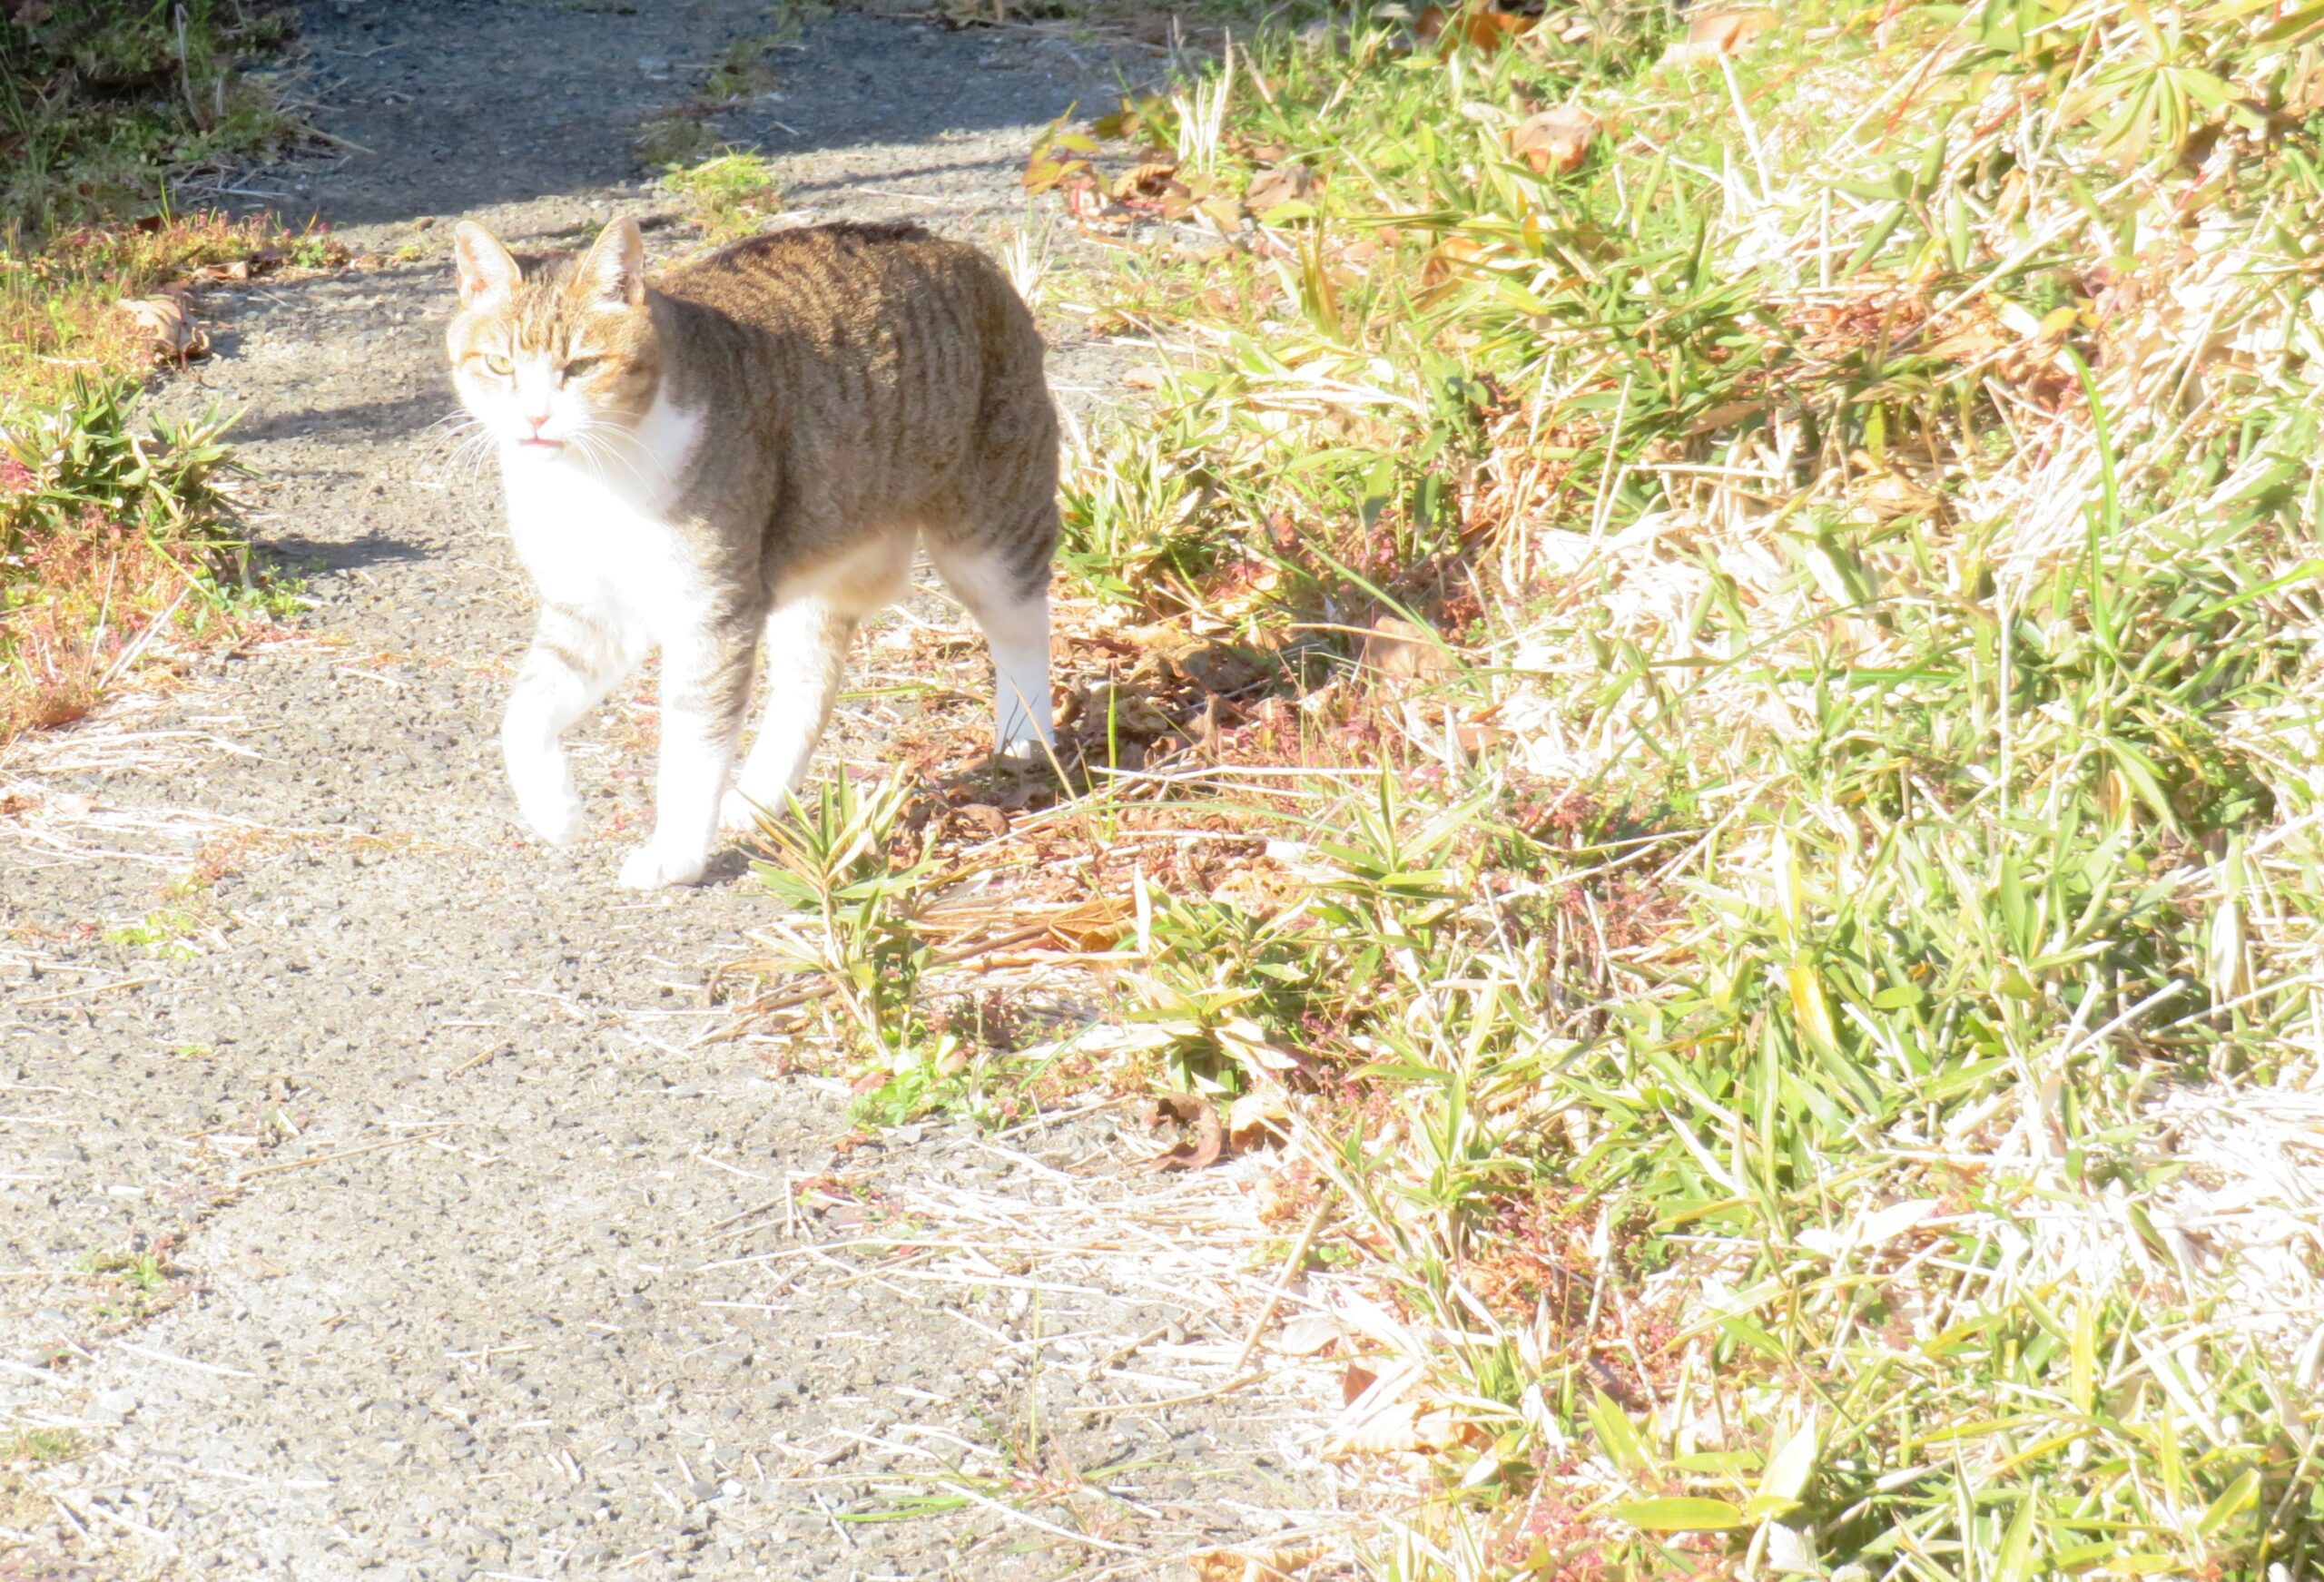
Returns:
point(806, 654)
point(815, 613)
point(577, 657)
point(1003, 581)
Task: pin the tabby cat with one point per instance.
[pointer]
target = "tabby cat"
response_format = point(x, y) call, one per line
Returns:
point(752, 446)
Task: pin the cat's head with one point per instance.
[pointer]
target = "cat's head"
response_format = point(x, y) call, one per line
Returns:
point(546, 355)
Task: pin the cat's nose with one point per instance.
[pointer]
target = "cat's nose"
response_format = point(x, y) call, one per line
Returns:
point(539, 423)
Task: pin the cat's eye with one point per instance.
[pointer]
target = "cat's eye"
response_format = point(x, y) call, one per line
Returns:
point(580, 368)
point(496, 363)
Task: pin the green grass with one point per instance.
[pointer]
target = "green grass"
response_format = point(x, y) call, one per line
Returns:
point(116, 541)
point(732, 194)
point(137, 1285)
point(116, 544)
point(40, 1447)
point(1872, 499)
point(164, 932)
point(103, 102)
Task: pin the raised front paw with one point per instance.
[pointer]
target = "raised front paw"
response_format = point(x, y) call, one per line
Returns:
point(555, 815)
point(543, 784)
point(654, 865)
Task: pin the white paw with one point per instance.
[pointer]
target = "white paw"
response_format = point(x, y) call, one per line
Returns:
point(1025, 749)
point(652, 865)
point(555, 816)
point(739, 814)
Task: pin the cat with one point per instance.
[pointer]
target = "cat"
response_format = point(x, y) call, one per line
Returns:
point(748, 449)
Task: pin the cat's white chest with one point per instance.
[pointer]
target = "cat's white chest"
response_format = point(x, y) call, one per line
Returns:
point(597, 531)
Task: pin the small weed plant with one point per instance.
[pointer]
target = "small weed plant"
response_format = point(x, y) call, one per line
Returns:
point(110, 541)
point(732, 195)
point(835, 859)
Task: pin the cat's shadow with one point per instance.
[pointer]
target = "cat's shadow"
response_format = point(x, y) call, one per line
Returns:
point(732, 862)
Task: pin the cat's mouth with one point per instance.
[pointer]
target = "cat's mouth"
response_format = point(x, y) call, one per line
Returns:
point(546, 447)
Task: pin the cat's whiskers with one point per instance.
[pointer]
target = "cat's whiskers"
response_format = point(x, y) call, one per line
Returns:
point(466, 460)
point(465, 440)
point(596, 440)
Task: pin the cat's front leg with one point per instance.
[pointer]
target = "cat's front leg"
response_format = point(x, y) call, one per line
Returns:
point(574, 659)
point(705, 683)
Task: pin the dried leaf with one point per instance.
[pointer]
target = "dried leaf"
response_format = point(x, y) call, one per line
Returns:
point(1728, 32)
point(1258, 1565)
point(1405, 1427)
point(1480, 27)
point(1123, 710)
point(1398, 650)
point(1450, 258)
point(1892, 495)
point(1557, 139)
point(1195, 1153)
point(981, 821)
point(1247, 1041)
point(1270, 190)
point(1152, 180)
point(174, 335)
point(1057, 155)
point(1307, 1334)
point(1726, 414)
point(1258, 1116)
point(1354, 1382)
point(1221, 211)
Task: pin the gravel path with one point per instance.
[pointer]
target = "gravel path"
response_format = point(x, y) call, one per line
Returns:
point(367, 1208)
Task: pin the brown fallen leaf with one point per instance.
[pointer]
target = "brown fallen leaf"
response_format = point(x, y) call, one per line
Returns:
point(1385, 1432)
point(1271, 189)
point(1557, 139)
point(1153, 179)
point(1257, 1566)
point(1197, 1152)
point(1259, 1116)
point(1221, 211)
point(1398, 650)
point(1354, 1382)
point(1480, 27)
point(1450, 259)
point(1122, 711)
point(1404, 1427)
point(981, 819)
point(1307, 1334)
point(1728, 32)
point(1890, 495)
point(1726, 414)
point(163, 319)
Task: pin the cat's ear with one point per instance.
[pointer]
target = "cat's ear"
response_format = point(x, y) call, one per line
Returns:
point(488, 272)
point(613, 275)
